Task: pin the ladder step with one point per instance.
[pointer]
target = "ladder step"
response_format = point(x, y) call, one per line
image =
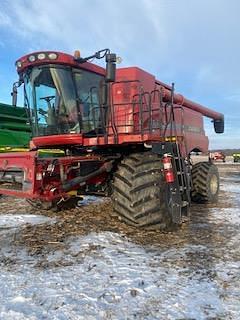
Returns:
point(181, 188)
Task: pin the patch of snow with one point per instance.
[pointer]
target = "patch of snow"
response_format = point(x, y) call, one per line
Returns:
point(230, 187)
point(106, 276)
point(231, 178)
point(112, 278)
point(90, 199)
point(19, 299)
point(231, 215)
point(8, 221)
point(228, 274)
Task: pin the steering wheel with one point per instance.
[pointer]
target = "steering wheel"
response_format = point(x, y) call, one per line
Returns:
point(47, 99)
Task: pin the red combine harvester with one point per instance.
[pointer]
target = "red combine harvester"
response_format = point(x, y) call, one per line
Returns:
point(218, 155)
point(122, 133)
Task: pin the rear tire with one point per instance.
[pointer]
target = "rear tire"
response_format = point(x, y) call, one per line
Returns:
point(205, 183)
point(140, 193)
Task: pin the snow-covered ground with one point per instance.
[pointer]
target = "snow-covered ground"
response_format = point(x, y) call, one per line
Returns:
point(105, 275)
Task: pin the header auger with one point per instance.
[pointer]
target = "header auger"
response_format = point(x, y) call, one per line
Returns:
point(121, 132)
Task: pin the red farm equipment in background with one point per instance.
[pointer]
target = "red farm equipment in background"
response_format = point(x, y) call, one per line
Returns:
point(217, 156)
point(121, 132)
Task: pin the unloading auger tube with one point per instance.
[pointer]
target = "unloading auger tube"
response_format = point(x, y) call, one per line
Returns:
point(218, 118)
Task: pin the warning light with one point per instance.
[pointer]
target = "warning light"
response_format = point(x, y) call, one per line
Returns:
point(77, 54)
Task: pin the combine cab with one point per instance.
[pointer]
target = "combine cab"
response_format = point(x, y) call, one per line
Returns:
point(122, 133)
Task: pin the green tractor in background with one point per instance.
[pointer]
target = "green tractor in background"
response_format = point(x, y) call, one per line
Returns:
point(15, 132)
point(236, 157)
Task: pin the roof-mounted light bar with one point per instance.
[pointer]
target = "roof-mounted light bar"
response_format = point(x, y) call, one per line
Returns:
point(53, 57)
point(40, 56)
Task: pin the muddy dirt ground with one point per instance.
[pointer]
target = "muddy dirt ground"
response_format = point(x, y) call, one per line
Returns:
point(99, 268)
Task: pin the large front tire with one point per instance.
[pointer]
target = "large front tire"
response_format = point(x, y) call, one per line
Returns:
point(205, 183)
point(140, 194)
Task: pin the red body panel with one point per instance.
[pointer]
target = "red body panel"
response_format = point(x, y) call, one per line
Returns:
point(24, 161)
point(42, 178)
point(126, 115)
point(58, 140)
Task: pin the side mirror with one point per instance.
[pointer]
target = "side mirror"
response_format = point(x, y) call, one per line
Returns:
point(219, 125)
point(14, 94)
point(111, 67)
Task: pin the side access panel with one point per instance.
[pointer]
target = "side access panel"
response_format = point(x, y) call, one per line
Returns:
point(47, 177)
point(17, 173)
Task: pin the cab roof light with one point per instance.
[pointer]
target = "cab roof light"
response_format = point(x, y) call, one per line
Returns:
point(77, 54)
point(41, 56)
point(19, 64)
point(32, 58)
point(52, 56)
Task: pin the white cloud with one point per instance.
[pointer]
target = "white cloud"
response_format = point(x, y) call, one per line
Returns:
point(233, 97)
point(182, 35)
point(4, 19)
point(129, 27)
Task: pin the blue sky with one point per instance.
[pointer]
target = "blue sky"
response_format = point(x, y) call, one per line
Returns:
point(194, 43)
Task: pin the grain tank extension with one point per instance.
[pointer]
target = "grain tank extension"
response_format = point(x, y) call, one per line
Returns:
point(122, 133)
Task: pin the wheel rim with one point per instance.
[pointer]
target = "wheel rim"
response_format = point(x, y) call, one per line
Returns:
point(214, 184)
